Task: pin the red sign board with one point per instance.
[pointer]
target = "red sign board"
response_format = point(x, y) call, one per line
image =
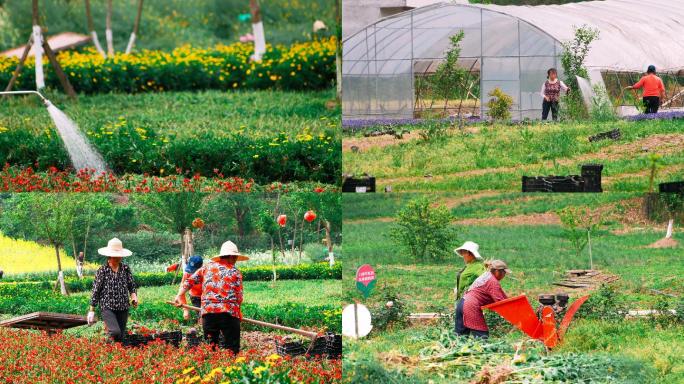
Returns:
point(365, 279)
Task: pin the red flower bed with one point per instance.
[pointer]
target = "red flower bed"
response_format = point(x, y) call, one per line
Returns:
point(14, 179)
point(32, 357)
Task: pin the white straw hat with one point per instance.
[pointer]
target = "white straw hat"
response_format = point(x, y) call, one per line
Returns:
point(229, 249)
point(114, 248)
point(470, 247)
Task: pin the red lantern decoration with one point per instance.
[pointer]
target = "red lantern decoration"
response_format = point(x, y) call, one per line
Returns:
point(282, 220)
point(198, 223)
point(310, 216)
point(172, 268)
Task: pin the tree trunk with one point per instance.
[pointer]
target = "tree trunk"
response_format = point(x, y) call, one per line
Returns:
point(91, 30)
point(328, 240)
point(670, 228)
point(60, 274)
point(273, 256)
point(591, 258)
point(258, 30)
point(136, 26)
point(108, 32)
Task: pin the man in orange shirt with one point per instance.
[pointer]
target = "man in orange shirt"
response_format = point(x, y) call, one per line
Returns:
point(194, 263)
point(654, 89)
point(221, 297)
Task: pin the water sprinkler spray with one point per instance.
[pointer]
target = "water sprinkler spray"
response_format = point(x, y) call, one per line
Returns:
point(81, 153)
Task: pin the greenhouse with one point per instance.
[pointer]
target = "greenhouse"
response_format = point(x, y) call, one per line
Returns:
point(506, 47)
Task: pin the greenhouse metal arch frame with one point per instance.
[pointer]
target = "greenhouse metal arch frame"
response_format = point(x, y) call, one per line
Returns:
point(379, 61)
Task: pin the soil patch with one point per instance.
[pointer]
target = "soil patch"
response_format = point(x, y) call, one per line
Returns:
point(547, 218)
point(363, 144)
point(664, 243)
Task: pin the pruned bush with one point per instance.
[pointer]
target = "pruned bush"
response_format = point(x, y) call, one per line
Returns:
point(424, 230)
point(499, 106)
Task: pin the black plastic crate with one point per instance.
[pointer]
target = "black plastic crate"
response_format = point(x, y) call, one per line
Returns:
point(615, 134)
point(290, 348)
point(535, 184)
point(672, 187)
point(193, 340)
point(174, 338)
point(135, 340)
point(572, 183)
point(319, 348)
point(358, 185)
point(591, 173)
point(333, 345)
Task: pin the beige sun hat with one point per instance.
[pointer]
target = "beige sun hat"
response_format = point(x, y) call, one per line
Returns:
point(230, 249)
point(114, 248)
point(499, 265)
point(471, 247)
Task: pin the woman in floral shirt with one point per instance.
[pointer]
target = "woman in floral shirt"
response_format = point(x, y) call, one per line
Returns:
point(111, 290)
point(485, 290)
point(221, 297)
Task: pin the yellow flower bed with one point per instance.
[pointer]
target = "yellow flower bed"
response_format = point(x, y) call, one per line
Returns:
point(21, 256)
point(300, 66)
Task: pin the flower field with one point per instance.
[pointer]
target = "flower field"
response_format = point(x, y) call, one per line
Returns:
point(38, 358)
point(21, 256)
point(14, 179)
point(300, 66)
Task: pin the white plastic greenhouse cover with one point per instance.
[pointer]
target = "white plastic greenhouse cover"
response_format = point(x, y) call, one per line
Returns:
point(633, 33)
point(513, 46)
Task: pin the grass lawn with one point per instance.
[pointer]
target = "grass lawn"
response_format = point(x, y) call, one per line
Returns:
point(538, 254)
point(484, 157)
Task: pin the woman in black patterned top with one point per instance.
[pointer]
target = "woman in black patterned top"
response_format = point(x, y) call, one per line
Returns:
point(112, 288)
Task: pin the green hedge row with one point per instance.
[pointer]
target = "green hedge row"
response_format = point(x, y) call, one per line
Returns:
point(24, 298)
point(258, 273)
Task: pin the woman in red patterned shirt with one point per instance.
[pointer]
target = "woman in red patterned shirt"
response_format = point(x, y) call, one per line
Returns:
point(486, 289)
point(221, 297)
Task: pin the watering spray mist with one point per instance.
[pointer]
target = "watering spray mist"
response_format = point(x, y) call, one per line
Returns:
point(81, 152)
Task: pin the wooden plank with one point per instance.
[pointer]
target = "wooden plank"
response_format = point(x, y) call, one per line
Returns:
point(60, 42)
point(45, 321)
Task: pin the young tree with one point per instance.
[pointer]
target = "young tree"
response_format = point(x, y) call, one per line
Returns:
point(449, 75)
point(579, 224)
point(93, 213)
point(674, 204)
point(173, 212)
point(424, 230)
point(47, 217)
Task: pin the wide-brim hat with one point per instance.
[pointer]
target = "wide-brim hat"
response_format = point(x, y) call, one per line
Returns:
point(499, 265)
point(114, 248)
point(230, 249)
point(471, 247)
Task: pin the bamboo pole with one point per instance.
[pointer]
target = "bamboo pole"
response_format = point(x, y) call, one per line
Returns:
point(136, 26)
point(309, 334)
point(91, 30)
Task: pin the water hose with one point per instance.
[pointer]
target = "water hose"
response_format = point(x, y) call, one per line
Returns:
point(43, 98)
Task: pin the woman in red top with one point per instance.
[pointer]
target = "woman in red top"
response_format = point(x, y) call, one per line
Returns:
point(221, 297)
point(486, 289)
point(654, 89)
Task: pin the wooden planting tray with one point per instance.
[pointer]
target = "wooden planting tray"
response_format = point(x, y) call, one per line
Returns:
point(585, 279)
point(45, 321)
